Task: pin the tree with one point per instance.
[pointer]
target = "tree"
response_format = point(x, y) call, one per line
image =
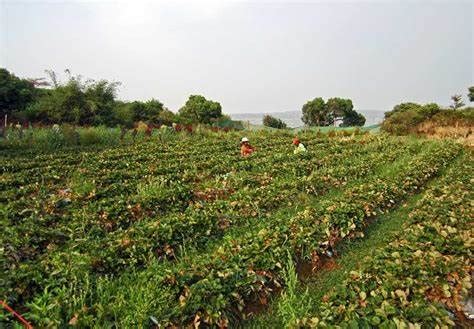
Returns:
point(352, 119)
point(15, 94)
point(273, 122)
point(457, 102)
point(471, 94)
point(200, 110)
point(338, 107)
point(319, 113)
point(123, 115)
point(76, 101)
point(315, 113)
point(343, 109)
point(147, 111)
point(166, 117)
point(100, 97)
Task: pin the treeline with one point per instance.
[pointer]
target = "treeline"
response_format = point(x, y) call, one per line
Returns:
point(91, 103)
point(407, 118)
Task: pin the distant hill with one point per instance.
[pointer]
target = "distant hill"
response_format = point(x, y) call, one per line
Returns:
point(293, 118)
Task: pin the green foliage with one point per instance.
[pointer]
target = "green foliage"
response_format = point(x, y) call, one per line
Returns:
point(291, 306)
point(15, 94)
point(315, 113)
point(167, 117)
point(124, 115)
point(200, 110)
point(186, 230)
point(148, 111)
point(405, 117)
point(339, 106)
point(457, 102)
point(100, 97)
point(318, 113)
point(353, 119)
point(471, 94)
point(273, 122)
point(152, 111)
point(453, 117)
point(398, 286)
point(77, 102)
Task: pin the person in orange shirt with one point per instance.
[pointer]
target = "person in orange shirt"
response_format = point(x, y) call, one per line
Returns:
point(245, 148)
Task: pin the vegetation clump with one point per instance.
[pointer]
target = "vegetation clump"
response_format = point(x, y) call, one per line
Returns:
point(270, 121)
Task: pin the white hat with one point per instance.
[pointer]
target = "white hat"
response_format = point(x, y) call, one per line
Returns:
point(244, 139)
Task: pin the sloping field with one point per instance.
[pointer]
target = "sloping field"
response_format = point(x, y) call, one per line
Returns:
point(185, 231)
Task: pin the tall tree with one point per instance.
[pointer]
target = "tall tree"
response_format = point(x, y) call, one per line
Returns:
point(319, 113)
point(471, 94)
point(457, 102)
point(200, 110)
point(315, 113)
point(340, 108)
point(76, 101)
point(15, 93)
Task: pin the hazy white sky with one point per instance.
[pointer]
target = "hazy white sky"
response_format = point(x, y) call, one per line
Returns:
point(252, 56)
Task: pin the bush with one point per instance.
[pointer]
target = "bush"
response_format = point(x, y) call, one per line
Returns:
point(452, 117)
point(405, 117)
point(273, 122)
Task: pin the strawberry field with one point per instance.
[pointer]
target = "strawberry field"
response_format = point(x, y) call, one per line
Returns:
point(184, 231)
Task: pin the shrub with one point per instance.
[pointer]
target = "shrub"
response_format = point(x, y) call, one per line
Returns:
point(404, 117)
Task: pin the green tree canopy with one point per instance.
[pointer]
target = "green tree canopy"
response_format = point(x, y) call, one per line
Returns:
point(100, 98)
point(15, 93)
point(200, 110)
point(319, 113)
point(315, 113)
point(343, 109)
point(405, 116)
point(126, 113)
point(339, 107)
point(471, 94)
point(353, 118)
point(457, 102)
point(76, 101)
point(273, 122)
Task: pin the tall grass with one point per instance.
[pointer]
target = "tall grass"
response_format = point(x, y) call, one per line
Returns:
point(69, 136)
point(292, 304)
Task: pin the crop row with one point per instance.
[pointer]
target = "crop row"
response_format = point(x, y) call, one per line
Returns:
point(201, 221)
point(37, 222)
point(113, 251)
point(422, 277)
point(210, 285)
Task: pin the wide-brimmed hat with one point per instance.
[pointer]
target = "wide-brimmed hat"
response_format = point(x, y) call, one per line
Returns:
point(244, 139)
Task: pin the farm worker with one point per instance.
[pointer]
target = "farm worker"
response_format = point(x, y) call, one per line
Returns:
point(245, 148)
point(300, 148)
